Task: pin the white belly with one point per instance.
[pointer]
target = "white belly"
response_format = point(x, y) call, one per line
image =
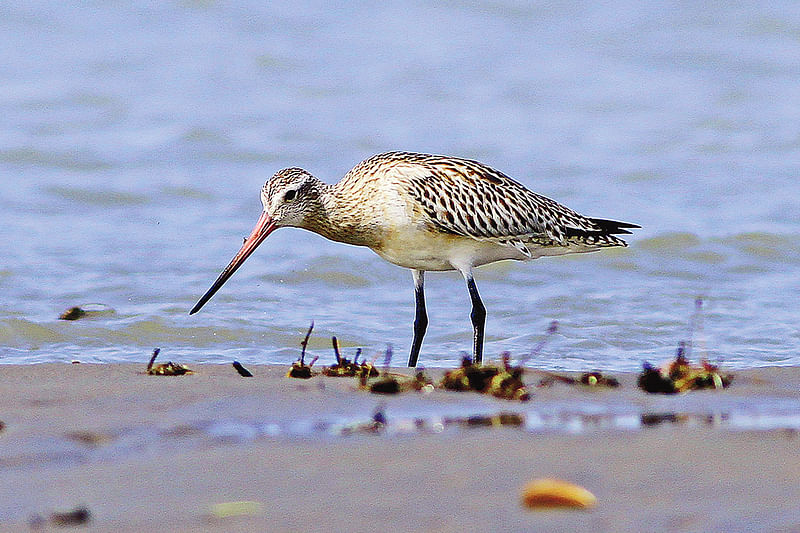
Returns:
point(425, 250)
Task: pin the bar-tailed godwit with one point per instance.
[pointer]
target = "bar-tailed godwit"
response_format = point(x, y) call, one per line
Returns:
point(426, 212)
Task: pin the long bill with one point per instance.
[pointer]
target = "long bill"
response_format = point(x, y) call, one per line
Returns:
point(264, 227)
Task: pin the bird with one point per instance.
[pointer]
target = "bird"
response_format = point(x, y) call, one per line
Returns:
point(426, 213)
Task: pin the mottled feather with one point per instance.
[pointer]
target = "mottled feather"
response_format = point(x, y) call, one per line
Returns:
point(467, 198)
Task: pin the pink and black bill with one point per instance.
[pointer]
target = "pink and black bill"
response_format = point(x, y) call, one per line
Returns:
point(263, 228)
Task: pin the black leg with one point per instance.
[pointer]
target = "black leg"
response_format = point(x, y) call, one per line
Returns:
point(421, 318)
point(478, 317)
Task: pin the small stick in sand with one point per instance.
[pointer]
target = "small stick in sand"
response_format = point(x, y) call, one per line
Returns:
point(153, 359)
point(379, 417)
point(387, 359)
point(551, 329)
point(550, 377)
point(335, 343)
point(696, 336)
point(299, 368)
point(304, 344)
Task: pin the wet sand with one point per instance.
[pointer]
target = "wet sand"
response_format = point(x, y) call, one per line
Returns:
point(153, 453)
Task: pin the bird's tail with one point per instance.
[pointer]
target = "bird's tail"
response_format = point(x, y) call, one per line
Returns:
point(613, 227)
point(603, 233)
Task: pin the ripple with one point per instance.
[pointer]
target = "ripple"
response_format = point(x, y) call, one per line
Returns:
point(668, 242)
point(331, 271)
point(706, 257)
point(67, 161)
point(765, 246)
point(21, 332)
point(186, 193)
point(97, 197)
point(205, 135)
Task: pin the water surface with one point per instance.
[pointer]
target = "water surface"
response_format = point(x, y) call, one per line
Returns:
point(133, 142)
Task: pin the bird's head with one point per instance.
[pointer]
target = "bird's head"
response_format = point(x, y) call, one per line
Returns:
point(290, 198)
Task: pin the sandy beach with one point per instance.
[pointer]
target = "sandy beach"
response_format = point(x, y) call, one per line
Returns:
point(153, 453)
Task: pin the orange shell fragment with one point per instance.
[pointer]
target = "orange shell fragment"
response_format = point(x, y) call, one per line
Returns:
point(547, 493)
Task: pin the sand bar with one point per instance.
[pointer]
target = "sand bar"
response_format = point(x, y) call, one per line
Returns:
point(153, 453)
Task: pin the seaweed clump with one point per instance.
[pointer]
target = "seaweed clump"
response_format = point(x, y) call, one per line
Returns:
point(393, 383)
point(73, 313)
point(469, 376)
point(679, 375)
point(166, 369)
point(344, 367)
point(507, 383)
point(593, 379)
point(499, 381)
point(390, 383)
point(77, 312)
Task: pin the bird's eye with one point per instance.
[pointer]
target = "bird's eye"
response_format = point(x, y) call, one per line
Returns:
point(289, 196)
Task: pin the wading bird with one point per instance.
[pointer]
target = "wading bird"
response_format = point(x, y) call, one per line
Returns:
point(426, 212)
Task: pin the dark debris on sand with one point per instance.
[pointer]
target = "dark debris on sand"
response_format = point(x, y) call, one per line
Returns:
point(165, 369)
point(679, 375)
point(499, 381)
point(393, 382)
point(345, 368)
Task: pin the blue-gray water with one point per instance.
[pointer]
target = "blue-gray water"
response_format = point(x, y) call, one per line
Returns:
point(134, 140)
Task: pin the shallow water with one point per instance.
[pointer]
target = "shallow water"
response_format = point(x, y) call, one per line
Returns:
point(133, 143)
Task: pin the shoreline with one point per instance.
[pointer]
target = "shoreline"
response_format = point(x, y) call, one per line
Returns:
point(156, 452)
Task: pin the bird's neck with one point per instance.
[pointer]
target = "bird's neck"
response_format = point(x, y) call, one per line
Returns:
point(342, 216)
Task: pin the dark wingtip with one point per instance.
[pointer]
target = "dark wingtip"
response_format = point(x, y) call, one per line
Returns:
point(602, 228)
point(614, 227)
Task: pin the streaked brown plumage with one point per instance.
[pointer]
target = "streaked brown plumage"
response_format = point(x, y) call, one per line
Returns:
point(427, 212)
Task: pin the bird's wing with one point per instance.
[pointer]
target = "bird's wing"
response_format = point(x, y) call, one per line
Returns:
point(468, 198)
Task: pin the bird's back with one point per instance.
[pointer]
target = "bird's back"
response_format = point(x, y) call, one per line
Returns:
point(469, 199)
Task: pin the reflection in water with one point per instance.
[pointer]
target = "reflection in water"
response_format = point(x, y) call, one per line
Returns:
point(79, 447)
